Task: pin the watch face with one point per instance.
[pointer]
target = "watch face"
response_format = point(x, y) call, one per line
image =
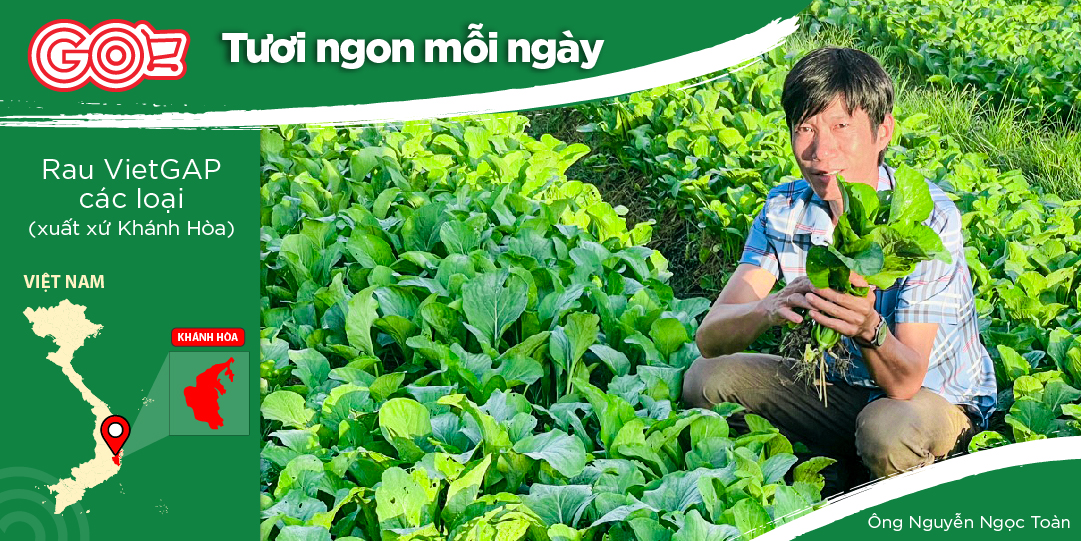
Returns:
point(880, 335)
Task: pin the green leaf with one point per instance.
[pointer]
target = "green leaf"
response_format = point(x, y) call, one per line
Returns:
point(729, 137)
point(359, 318)
point(568, 343)
point(300, 441)
point(711, 453)
point(808, 472)
point(344, 401)
point(382, 203)
point(562, 532)
point(554, 304)
point(402, 422)
point(788, 505)
point(1015, 365)
point(369, 250)
point(820, 261)
point(504, 406)
point(400, 500)
point(751, 518)
point(458, 237)
point(615, 507)
point(1030, 418)
point(421, 229)
point(442, 318)
point(863, 205)
point(612, 411)
point(668, 335)
point(1059, 343)
point(677, 491)
point(866, 262)
point(519, 371)
point(298, 505)
point(564, 453)
point(399, 328)
point(559, 504)
point(364, 160)
point(615, 360)
point(986, 440)
point(492, 308)
point(528, 347)
point(696, 528)
point(312, 367)
point(649, 529)
point(396, 301)
point(270, 143)
point(463, 490)
point(911, 197)
point(774, 468)
point(650, 351)
point(307, 473)
point(708, 427)
point(303, 533)
point(916, 242)
point(494, 435)
point(300, 253)
point(1057, 393)
point(386, 385)
point(287, 407)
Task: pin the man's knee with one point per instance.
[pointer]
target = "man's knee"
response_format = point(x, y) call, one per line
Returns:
point(710, 381)
point(728, 378)
point(694, 384)
point(888, 437)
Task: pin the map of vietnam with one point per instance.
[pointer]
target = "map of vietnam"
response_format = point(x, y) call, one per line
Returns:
point(203, 397)
point(69, 328)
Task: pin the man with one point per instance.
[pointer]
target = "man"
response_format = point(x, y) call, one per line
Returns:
point(921, 383)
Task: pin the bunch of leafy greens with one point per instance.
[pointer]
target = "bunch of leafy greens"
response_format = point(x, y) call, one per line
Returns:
point(879, 235)
point(459, 343)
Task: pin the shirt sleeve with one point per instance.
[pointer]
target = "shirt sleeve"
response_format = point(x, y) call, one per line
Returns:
point(935, 291)
point(759, 250)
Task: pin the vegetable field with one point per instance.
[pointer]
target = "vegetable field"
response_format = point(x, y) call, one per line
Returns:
point(461, 343)
point(463, 339)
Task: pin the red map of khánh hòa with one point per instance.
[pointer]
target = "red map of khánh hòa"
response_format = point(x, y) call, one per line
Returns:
point(203, 398)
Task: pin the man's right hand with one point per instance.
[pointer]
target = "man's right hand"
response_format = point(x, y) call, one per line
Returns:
point(780, 307)
point(745, 309)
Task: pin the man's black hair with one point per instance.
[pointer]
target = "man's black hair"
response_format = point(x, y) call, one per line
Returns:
point(827, 73)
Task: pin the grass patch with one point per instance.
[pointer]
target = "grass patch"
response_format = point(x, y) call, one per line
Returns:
point(1048, 156)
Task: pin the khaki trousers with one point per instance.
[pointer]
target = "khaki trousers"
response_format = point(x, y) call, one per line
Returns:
point(888, 435)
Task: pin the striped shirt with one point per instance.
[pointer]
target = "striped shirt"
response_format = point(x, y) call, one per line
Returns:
point(794, 218)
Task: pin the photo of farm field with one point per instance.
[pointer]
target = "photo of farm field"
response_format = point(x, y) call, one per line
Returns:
point(477, 328)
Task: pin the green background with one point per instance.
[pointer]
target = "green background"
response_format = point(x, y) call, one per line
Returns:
point(152, 284)
point(1047, 489)
point(184, 366)
point(634, 35)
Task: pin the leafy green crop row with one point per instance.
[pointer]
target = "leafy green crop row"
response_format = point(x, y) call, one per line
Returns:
point(460, 343)
point(1021, 53)
point(713, 150)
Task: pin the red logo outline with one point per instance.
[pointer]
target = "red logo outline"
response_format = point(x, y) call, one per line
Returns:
point(115, 55)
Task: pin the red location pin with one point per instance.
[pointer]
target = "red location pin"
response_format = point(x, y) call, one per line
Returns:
point(115, 431)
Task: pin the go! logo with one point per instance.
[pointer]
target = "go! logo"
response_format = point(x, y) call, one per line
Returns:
point(115, 55)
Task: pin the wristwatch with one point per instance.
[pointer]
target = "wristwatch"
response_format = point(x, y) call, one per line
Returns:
point(881, 331)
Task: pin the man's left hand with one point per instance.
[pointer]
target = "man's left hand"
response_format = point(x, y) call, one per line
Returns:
point(849, 315)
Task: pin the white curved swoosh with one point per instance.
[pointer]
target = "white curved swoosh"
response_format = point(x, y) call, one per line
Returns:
point(688, 66)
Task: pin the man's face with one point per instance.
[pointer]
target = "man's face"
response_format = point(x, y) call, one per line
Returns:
point(834, 143)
